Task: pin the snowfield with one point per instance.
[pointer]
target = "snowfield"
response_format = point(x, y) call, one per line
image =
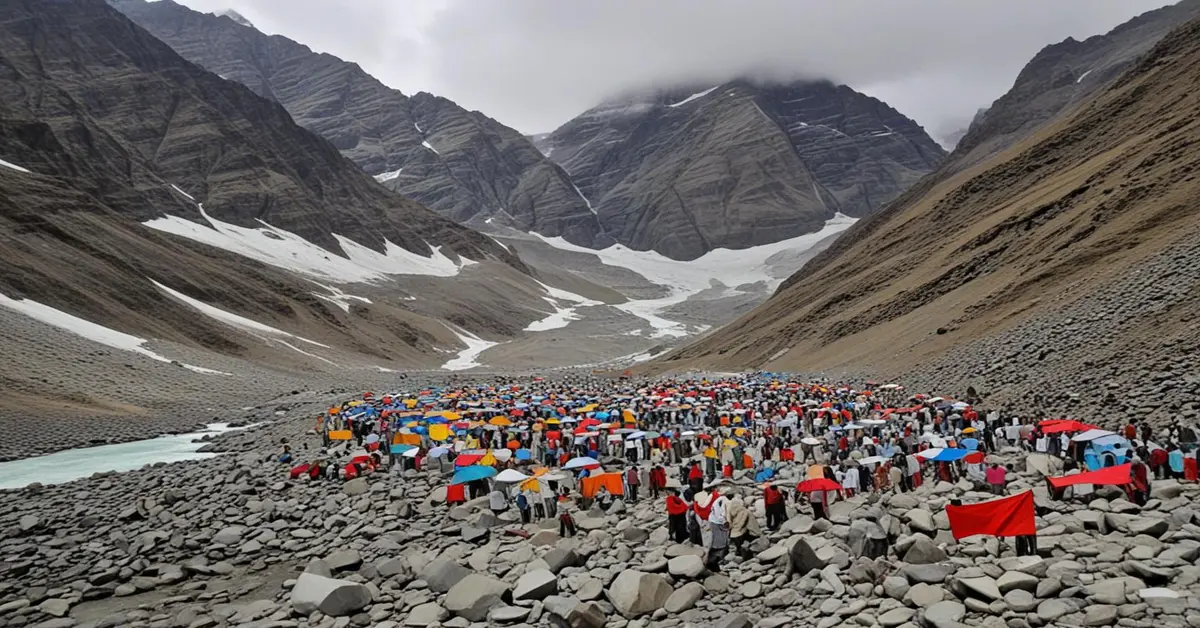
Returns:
point(91, 331)
point(286, 250)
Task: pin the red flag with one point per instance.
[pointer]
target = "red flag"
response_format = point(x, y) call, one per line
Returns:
point(1107, 476)
point(1007, 516)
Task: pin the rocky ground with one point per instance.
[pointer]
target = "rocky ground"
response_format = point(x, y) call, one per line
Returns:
point(231, 541)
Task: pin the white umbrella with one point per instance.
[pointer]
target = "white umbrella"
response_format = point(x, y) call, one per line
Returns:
point(411, 453)
point(929, 453)
point(580, 462)
point(511, 475)
point(503, 455)
point(872, 460)
point(1091, 435)
point(372, 439)
point(809, 440)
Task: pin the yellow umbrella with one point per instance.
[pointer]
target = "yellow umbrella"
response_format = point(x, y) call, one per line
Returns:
point(629, 418)
point(410, 403)
point(500, 421)
point(531, 484)
point(589, 407)
point(740, 431)
point(439, 431)
point(411, 424)
point(488, 460)
point(729, 442)
point(710, 453)
point(552, 421)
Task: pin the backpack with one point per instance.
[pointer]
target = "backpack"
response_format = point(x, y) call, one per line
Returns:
point(522, 502)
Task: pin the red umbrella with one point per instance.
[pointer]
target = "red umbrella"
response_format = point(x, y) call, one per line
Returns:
point(466, 460)
point(819, 484)
point(974, 458)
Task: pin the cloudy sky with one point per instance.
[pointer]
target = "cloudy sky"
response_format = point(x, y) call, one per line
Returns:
point(533, 64)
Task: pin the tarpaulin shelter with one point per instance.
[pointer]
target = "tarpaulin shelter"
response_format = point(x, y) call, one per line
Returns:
point(589, 486)
point(1006, 516)
point(1106, 476)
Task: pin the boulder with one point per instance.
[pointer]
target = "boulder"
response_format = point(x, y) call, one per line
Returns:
point(586, 615)
point(922, 551)
point(921, 520)
point(684, 598)
point(1149, 526)
point(333, 597)
point(535, 585)
point(558, 558)
point(357, 486)
point(690, 566)
point(344, 560)
point(442, 574)
point(983, 587)
point(868, 539)
point(426, 614)
point(803, 558)
point(472, 597)
point(635, 593)
point(945, 614)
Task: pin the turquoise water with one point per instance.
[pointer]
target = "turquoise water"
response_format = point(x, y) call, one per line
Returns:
point(73, 464)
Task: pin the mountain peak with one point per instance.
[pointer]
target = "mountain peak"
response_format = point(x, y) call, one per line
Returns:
point(236, 17)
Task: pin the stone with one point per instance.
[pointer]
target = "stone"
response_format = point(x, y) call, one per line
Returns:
point(925, 595)
point(734, 620)
point(507, 614)
point(945, 614)
point(922, 551)
point(586, 615)
point(684, 598)
point(920, 520)
point(1016, 580)
point(803, 558)
point(535, 585)
point(895, 587)
point(333, 597)
point(558, 558)
point(472, 597)
point(357, 486)
point(426, 614)
point(635, 593)
point(1021, 601)
point(344, 560)
point(983, 587)
point(55, 607)
point(1100, 615)
point(751, 589)
point(1050, 610)
point(781, 597)
point(690, 566)
point(928, 574)
point(442, 574)
point(895, 617)
point(231, 535)
point(1149, 526)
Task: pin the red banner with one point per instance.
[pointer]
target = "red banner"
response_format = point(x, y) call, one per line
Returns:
point(1007, 516)
point(1107, 476)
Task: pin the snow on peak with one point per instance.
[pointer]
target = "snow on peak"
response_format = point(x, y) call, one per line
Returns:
point(236, 17)
point(695, 96)
point(430, 147)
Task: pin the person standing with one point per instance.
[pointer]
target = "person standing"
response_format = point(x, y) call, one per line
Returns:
point(677, 510)
point(743, 527)
point(773, 499)
point(632, 481)
point(718, 523)
point(658, 480)
point(996, 478)
point(820, 504)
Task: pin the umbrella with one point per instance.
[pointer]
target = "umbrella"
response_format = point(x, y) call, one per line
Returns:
point(950, 455)
point(582, 462)
point(411, 453)
point(472, 473)
point(523, 454)
point(372, 439)
point(819, 484)
point(500, 421)
point(438, 452)
point(872, 460)
point(510, 475)
point(929, 453)
point(809, 440)
point(970, 443)
point(636, 436)
point(1091, 435)
point(465, 460)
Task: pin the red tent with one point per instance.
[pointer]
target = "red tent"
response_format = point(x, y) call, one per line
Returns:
point(1108, 476)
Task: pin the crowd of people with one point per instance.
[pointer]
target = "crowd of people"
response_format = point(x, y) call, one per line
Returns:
point(705, 449)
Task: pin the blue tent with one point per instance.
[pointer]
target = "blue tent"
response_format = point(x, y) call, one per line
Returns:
point(950, 455)
point(764, 475)
point(472, 473)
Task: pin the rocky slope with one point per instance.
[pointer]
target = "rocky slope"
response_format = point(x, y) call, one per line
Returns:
point(1063, 75)
point(231, 541)
point(460, 163)
point(688, 170)
point(1060, 274)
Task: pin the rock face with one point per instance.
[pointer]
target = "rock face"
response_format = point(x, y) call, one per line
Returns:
point(460, 163)
point(688, 170)
point(1063, 75)
point(1023, 227)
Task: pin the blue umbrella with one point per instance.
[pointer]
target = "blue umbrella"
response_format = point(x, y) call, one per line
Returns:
point(472, 473)
point(950, 455)
point(970, 443)
point(523, 454)
point(602, 415)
